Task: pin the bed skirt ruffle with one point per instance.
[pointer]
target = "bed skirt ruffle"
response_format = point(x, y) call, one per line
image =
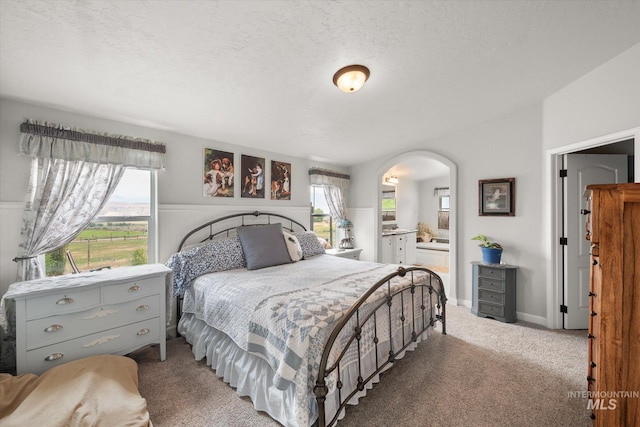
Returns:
point(252, 376)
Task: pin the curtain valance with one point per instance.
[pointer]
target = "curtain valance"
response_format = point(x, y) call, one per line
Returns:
point(49, 140)
point(441, 191)
point(319, 176)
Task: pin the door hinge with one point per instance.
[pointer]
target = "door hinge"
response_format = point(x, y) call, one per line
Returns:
point(563, 173)
point(563, 308)
point(564, 241)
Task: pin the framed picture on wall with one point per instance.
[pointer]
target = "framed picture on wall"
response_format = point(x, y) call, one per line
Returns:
point(218, 173)
point(280, 180)
point(497, 197)
point(252, 177)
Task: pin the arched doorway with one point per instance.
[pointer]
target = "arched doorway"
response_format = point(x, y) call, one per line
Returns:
point(414, 161)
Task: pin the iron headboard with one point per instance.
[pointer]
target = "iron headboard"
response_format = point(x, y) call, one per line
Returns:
point(213, 232)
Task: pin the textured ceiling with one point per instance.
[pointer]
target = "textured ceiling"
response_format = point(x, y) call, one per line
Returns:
point(259, 73)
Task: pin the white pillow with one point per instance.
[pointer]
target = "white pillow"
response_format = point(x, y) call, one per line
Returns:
point(293, 246)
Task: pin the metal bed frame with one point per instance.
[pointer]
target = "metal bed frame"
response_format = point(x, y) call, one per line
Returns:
point(426, 295)
point(244, 218)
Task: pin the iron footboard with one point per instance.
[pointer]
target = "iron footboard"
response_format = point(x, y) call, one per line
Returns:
point(424, 294)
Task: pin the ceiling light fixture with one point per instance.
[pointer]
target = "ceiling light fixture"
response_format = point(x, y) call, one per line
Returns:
point(351, 78)
point(391, 179)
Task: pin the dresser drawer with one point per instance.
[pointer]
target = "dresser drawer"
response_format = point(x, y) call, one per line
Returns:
point(490, 284)
point(70, 300)
point(134, 289)
point(110, 341)
point(490, 296)
point(486, 271)
point(490, 309)
point(49, 330)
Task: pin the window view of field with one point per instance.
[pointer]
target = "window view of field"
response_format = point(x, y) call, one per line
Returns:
point(102, 244)
point(118, 235)
point(321, 222)
point(323, 225)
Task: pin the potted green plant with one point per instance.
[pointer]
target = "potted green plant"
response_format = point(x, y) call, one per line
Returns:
point(491, 251)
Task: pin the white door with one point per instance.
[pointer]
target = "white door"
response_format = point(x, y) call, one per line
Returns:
point(583, 170)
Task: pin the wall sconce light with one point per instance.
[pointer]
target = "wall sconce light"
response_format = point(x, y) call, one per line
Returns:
point(351, 78)
point(391, 179)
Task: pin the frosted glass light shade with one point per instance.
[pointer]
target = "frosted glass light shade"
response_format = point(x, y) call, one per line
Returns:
point(351, 78)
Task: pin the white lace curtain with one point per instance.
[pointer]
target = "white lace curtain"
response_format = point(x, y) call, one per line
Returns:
point(335, 186)
point(73, 175)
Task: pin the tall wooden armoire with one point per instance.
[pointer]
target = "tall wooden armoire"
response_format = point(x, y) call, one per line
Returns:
point(613, 227)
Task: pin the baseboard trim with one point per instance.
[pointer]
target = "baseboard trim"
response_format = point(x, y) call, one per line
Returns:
point(539, 320)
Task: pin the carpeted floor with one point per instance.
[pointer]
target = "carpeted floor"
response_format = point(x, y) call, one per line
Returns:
point(482, 373)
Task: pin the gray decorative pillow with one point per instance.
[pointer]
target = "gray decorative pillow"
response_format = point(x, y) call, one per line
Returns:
point(263, 245)
point(310, 244)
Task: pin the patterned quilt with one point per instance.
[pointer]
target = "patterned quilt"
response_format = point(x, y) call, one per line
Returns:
point(228, 300)
point(285, 313)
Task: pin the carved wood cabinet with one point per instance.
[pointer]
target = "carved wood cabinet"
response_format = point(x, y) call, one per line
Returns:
point(613, 227)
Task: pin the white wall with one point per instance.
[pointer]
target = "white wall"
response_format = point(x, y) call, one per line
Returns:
point(407, 203)
point(602, 102)
point(181, 204)
point(503, 148)
point(600, 107)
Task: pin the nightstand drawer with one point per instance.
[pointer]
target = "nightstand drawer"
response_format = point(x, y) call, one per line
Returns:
point(490, 284)
point(43, 332)
point(490, 296)
point(130, 290)
point(72, 300)
point(486, 271)
point(105, 342)
point(490, 309)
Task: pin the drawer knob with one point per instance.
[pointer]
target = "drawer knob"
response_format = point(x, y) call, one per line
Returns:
point(143, 307)
point(585, 211)
point(593, 314)
point(134, 288)
point(144, 331)
point(64, 301)
point(52, 357)
point(590, 378)
point(593, 364)
point(591, 294)
point(53, 328)
point(590, 336)
point(594, 262)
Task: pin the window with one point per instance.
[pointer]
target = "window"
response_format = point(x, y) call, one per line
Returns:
point(321, 222)
point(120, 234)
point(388, 205)
point(444, 203)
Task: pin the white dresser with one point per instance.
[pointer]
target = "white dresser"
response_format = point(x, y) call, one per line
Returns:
point(399, 248)
point(63, 318)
